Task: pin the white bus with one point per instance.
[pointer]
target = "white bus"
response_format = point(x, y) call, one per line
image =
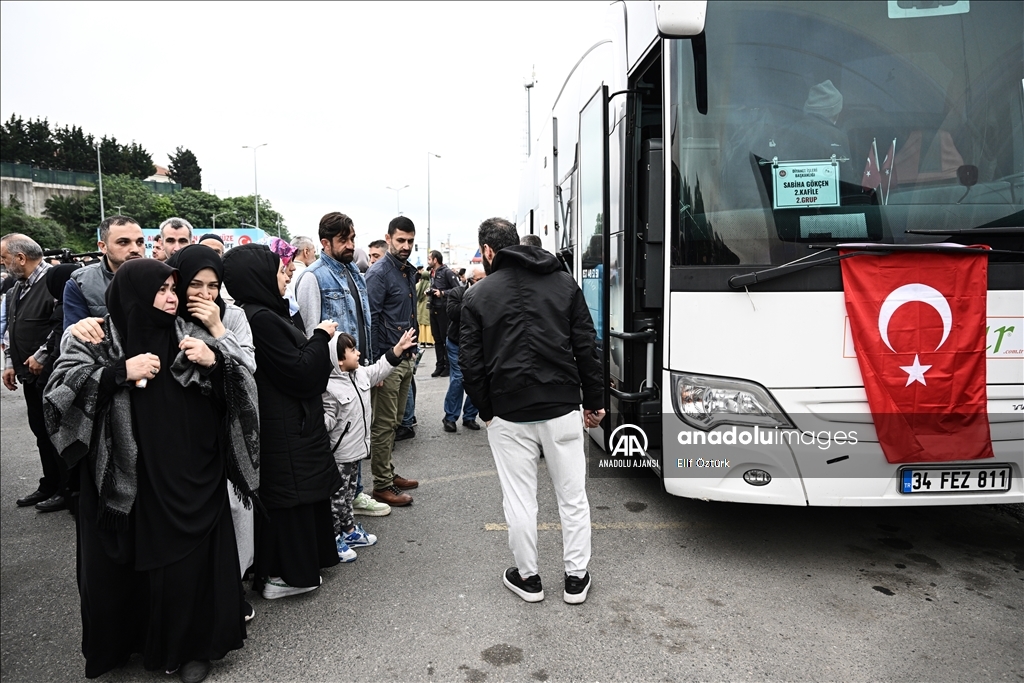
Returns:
point(653, 178)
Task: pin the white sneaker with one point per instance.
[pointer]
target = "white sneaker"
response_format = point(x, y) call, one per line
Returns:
point(364, 505)
point(345, 554)
point(277, 588)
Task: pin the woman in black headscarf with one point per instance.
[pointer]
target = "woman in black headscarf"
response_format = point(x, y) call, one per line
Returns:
point(151, 408)
point(298, 474)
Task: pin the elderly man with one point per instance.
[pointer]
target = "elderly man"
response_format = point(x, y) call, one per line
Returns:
point(85, 294)
point(29, 307)
point(305, 256)
point(175, 233)
point(525, 361)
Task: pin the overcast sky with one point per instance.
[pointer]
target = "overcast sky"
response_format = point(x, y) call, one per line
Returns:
point(349, 97)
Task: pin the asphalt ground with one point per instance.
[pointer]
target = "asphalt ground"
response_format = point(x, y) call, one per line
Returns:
point(682, 589)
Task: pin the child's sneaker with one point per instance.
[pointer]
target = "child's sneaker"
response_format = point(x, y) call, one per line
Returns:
point(364, 505)
point(345, 554)
point(358, 537)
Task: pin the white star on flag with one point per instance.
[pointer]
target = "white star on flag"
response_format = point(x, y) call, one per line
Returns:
point(915, 372)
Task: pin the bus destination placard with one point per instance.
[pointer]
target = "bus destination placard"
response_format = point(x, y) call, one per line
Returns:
point(806, 184)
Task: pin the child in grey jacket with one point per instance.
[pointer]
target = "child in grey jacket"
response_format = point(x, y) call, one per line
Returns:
point(348, 417)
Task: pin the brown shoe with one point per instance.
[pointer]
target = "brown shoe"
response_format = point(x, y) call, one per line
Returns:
point(405, 484)
point(393, 496)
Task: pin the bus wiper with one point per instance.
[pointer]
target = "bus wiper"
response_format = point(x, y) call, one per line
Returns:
point(968, 231)
point(741, 281)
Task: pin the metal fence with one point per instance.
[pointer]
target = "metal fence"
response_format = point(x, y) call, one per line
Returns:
point(52, 177)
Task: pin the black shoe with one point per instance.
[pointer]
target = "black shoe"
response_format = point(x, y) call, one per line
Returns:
point(36, 496)
point(404, 433)
point(437, 372)
point(471, 424)
point(194, 671)
point(576, 589)
point(444, 373)
point(529, 589)
point(449, 426)
point(52, 504)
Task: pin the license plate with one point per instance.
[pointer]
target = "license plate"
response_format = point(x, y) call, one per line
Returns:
point(971, 479)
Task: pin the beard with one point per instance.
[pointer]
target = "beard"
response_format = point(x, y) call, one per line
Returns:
point(342, 255)
point(486, 264)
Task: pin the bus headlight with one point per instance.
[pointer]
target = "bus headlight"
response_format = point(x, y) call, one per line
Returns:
point(706, 402)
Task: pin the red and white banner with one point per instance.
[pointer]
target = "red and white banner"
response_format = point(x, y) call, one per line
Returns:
point(918, 324)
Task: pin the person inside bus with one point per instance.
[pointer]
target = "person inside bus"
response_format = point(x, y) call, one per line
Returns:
point(816, 136)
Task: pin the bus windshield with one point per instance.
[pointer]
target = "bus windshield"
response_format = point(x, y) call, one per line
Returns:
point(844, 122)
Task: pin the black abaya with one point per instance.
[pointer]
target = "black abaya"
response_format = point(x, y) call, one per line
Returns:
point(166, 582)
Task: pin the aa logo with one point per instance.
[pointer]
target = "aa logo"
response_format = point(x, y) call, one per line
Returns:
point(628, 441)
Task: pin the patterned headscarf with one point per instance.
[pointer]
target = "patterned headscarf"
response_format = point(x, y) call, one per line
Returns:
point(283, 249)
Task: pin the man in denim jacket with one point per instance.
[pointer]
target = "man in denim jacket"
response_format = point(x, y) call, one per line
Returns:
point(332, 288)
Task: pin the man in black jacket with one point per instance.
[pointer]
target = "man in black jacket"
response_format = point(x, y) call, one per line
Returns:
point(29, 309)
point(527, 349)
point(442, 281)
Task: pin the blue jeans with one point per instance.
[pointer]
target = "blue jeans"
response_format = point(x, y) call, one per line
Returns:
point(453, 399)
point(409, 419)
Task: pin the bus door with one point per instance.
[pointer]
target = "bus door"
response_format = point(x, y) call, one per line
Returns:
point(621, 252)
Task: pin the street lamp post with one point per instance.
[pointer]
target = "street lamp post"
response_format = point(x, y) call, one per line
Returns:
point(119, 207)
point(256, 184)
point(437, 156)
point(222, 213)
point(398, 197)
point(99, 172)
point(529, 89)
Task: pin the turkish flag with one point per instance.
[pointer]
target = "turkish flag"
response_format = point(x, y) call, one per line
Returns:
point(918, 324)
point(872, 177)
point(887, 173)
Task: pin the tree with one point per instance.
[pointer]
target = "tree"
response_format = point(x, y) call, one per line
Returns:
point(163, 208)
point(184, 169)
point(41, 145)
point(138, 163)
point(76, 151)
point(13, 141)
point(71, 214)
point(198, 208)
point(133, 195)
point(271, 222)
point(48, 233)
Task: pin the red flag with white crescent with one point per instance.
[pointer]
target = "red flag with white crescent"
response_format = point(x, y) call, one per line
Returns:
point(872, 177)
point(918, 324)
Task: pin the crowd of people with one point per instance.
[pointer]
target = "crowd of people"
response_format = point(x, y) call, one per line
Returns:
point(204, 413)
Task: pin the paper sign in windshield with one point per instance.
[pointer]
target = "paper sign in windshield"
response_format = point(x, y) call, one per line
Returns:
point(804, 185)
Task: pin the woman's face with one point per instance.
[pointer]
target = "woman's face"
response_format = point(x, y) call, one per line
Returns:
point(204, 285)
point(284, 276)
point(166, 300)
